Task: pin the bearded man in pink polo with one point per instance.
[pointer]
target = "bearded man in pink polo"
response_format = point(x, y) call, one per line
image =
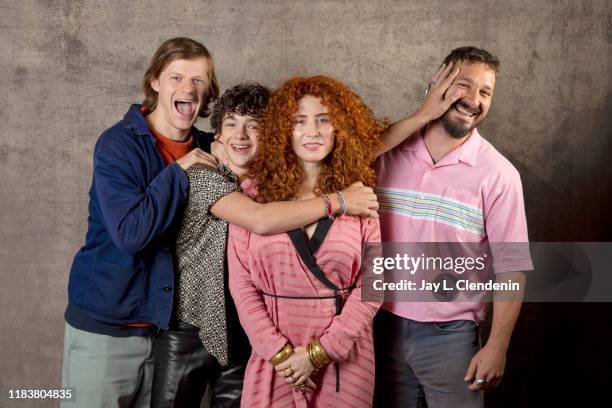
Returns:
point(446, 183)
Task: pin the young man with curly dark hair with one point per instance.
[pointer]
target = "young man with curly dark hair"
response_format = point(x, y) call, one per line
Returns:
point(205, 345)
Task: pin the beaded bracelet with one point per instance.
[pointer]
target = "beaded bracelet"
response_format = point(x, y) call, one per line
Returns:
point(328, 206)
point(342, 202)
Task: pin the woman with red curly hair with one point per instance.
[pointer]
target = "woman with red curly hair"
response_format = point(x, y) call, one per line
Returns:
point(298, 294)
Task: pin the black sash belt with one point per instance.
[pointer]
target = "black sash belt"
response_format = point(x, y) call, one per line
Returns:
point(334, 296)
point(306, 249)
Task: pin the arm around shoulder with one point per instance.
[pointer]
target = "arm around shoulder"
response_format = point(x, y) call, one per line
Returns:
point(268, 218)
point(134, 210)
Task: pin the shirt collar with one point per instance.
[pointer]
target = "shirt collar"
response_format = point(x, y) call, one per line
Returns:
point(467, 152)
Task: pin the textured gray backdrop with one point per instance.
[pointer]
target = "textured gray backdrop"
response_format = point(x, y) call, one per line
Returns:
point(69, 69)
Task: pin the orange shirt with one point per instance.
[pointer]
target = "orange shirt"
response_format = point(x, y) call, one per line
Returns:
point(172, 150)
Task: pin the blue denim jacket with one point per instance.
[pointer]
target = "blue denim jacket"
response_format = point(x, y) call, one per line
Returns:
point(125, 271)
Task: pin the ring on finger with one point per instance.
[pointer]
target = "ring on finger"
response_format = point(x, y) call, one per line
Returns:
point(480, 381)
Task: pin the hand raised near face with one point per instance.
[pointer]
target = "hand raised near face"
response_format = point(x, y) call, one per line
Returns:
point(440, 94)
point(217, 149)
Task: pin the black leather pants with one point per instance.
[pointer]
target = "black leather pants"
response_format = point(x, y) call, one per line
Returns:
point(184, 369)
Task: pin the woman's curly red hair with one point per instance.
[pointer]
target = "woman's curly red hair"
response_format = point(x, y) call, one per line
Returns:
point(357, 139)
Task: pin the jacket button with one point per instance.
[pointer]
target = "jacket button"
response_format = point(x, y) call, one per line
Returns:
point(167, 289)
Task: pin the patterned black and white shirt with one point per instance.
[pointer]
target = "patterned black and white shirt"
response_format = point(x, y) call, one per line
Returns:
point(200, 249)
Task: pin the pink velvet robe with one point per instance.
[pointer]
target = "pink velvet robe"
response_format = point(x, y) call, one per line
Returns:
point(271, 264)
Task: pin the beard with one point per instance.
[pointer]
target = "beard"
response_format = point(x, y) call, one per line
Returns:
point(457, 129)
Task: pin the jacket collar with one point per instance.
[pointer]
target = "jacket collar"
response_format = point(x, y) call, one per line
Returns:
point(135, 121)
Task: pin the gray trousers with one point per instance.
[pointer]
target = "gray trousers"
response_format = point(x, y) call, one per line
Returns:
point(423, 364)
point(107, 371)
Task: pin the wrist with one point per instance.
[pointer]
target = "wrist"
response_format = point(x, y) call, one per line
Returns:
point(327, 205)
point(498, 345)
point(317, 355)
point(335, 203)
point(181, 164)
point(422, 117)
point(282, 355)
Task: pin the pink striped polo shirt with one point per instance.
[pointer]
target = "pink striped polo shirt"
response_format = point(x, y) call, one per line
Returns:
point(473, 194)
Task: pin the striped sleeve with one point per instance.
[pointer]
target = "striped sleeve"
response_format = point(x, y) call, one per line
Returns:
point(356, 316)
point(264, 336)
point(506, 225)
